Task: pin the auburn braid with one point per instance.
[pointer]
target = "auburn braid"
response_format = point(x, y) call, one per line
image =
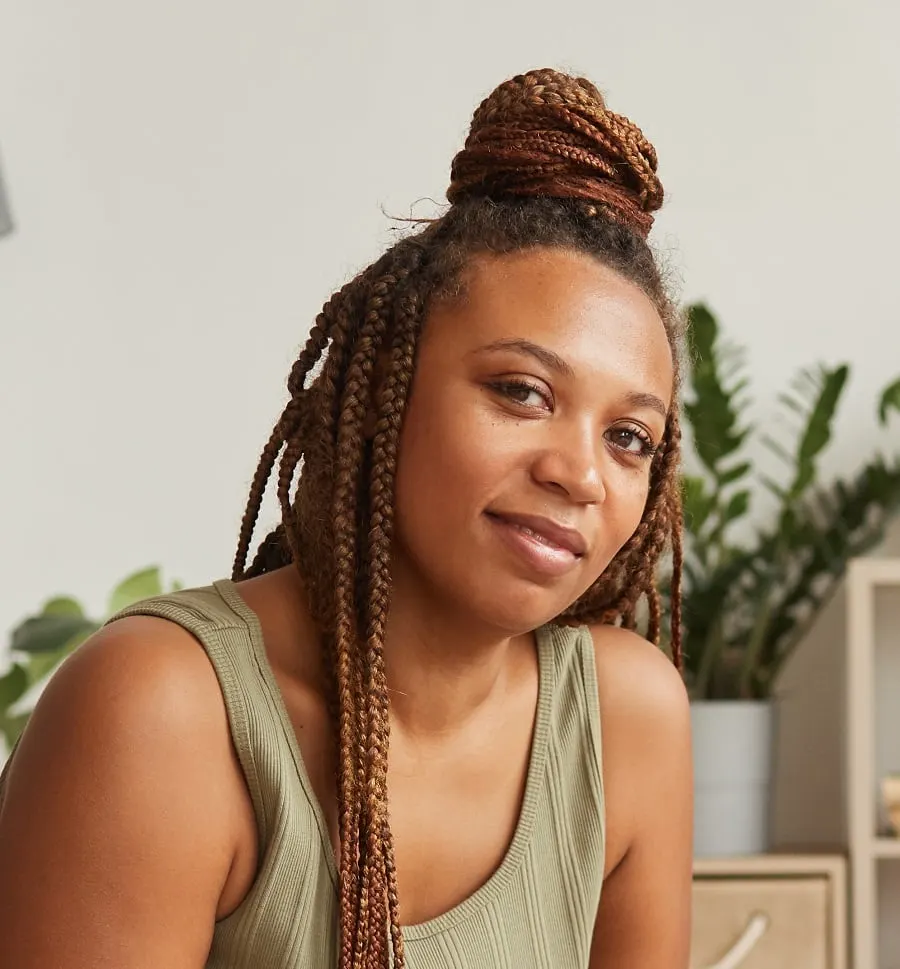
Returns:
point(544, 133)
point(393, 397)
point(676, 530)
point(363, 716)
point(374, 698)
point(287, 423)
point(359, 864)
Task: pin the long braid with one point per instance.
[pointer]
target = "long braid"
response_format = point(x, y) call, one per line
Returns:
point(270, 555)
point(355, 865)
point(676, 529)
point(361, 679)
point(392, 404)
point(663, 525)
point(286, 424)
point(373, 710)
point(654, 620)
point(330, 565)
point(392, 396)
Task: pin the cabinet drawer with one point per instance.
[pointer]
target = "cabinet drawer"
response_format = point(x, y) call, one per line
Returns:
point(761, 923)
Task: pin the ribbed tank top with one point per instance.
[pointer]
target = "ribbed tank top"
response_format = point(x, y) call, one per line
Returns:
point(538, 908)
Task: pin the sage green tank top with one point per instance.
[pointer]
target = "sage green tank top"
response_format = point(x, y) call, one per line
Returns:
point(536, 911)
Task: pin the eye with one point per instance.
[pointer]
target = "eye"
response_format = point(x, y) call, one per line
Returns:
point(523, 392)
point(632, 440)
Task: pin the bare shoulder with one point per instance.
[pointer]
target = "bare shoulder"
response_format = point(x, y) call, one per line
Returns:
point(645, 910)
point(124, 785)
point(160, 660)
point(637, 680)
point(645, 717)
point(140, 682)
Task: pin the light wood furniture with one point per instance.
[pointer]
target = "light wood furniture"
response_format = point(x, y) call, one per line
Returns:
point(867, 847)
point(770, 912)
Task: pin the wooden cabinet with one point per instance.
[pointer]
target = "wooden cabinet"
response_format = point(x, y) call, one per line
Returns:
point(769, 912)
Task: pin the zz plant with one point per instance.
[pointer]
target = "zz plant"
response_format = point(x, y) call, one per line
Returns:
point(749, 600)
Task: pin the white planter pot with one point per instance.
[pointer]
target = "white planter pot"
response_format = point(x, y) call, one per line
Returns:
point(732, 743)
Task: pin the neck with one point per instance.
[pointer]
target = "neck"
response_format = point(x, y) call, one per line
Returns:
point(442, 670)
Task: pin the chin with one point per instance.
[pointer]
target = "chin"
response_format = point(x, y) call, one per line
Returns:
point(516, 606)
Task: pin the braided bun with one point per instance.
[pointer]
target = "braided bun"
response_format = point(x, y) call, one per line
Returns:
point(547, 133)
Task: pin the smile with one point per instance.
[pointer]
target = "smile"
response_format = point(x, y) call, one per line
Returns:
point(548, 548)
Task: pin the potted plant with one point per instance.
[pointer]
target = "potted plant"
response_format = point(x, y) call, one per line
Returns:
point(748, 601)
point(42, 641)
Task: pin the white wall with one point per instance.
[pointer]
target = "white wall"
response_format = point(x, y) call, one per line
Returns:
point(191, 179)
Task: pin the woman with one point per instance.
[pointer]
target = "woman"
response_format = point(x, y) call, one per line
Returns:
point(488, 464)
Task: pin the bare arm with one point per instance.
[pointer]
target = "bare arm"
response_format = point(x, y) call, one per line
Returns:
point(644, 917)
point(120, 820)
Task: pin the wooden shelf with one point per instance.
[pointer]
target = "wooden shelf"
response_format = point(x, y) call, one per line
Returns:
point(772, 865)
point(886, 848)
point(876, 571)
point(864, 577)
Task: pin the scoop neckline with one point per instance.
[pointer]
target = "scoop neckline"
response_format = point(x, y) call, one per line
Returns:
point(521, 838)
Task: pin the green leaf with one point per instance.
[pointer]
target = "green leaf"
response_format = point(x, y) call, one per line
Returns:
point(817, 432)
point(703, 329)
point(737, 506)
point(737, 389)
point(826, 530)
point(890, 400)
point(728, 476)
point(40, 665)
point(12, 727)
point(62, 606)
point(697, 502)
point(141, 585)
point(778, 449)
point(791, 403)
point(49, 633)
point(770, 484)
point(13, 685)
point(746, 606)
point(713, 412)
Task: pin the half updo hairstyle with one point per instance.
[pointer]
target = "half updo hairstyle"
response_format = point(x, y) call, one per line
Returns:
point(545, 164)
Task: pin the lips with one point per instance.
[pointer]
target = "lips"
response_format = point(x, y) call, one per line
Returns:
point(546, 530)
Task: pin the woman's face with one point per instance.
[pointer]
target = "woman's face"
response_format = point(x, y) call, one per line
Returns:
point(539, 396)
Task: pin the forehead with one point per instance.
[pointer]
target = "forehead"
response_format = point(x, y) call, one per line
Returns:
point(600, 322)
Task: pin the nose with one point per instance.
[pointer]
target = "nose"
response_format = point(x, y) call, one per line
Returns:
point(570, 464)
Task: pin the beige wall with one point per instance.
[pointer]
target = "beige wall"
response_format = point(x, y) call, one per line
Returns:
point(191, 179)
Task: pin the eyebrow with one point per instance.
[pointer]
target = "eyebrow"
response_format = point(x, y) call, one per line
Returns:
point(554, 361)
point(551, 360)
point(638, 399)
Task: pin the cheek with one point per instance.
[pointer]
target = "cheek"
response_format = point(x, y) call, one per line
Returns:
point(436, 474)
point(449, 449)
point(623, 510)
point(633, 502)
point(428, 450)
